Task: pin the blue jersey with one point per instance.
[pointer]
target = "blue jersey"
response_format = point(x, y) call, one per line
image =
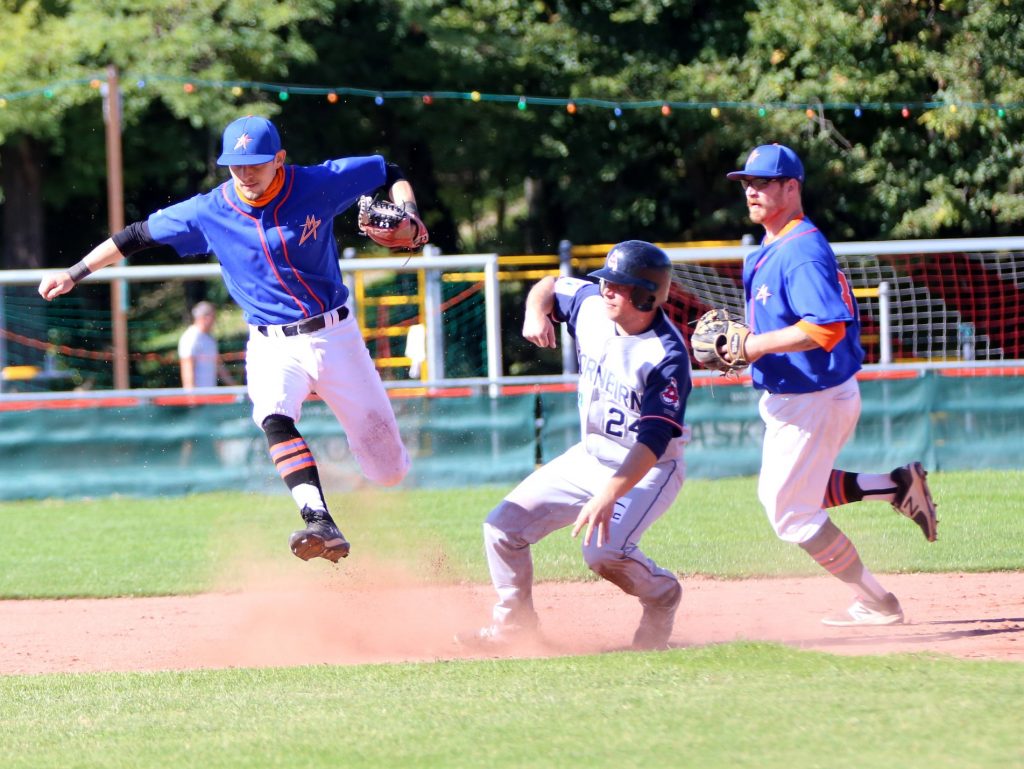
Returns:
point(796, 278)
point(624, 380)
point(280, 261)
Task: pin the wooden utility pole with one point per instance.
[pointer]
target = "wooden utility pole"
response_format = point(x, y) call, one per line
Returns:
point(115, 223)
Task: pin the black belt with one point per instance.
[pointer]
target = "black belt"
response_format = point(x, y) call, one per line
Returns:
point(306, 326)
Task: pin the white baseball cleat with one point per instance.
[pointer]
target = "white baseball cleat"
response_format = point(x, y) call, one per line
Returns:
point(865, 612)
point(498, 637)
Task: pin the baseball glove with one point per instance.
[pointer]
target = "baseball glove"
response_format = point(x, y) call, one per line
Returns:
point(391, 225)
point(718, 330)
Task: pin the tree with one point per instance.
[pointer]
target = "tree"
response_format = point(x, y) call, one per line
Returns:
point(52, 116)
point(589, 175)
point(595, 176)
point(950, 169)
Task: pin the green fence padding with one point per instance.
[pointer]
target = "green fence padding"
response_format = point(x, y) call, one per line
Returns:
point(468, 441)
point(156, 450)
point(949, 423)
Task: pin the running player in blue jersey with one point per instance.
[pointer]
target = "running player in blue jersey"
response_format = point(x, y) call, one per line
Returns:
point(804, 352)
point(271, 227)
point(628, 466)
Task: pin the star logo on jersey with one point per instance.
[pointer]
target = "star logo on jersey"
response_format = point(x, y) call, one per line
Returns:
point(670, 395)
point(242, 142)
point(309, 228)
point(763, 294)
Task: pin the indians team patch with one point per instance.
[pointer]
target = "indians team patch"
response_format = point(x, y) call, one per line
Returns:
point(670, 395)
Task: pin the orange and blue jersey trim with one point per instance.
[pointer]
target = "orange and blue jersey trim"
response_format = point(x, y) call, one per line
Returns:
point(268, 253)
point(826, 336)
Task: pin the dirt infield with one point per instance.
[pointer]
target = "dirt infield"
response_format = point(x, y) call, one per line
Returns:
point(333, 616)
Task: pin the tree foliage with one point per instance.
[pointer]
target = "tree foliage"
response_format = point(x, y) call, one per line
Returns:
point(525, 179)
point(492, 176)
point(54, 123)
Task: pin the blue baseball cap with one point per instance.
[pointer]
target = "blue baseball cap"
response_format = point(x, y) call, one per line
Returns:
point(249, 141)
point(771, 161)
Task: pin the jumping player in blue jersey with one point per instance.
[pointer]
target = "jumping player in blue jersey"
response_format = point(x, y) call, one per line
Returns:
point(271, 228)
point(628, 466)
point(804, 351)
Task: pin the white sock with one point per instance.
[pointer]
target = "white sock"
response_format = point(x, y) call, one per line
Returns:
point(308, 495)
point(870, 585)
point(877, 486)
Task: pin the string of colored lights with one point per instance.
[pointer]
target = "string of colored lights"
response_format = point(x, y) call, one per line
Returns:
point(333, 94)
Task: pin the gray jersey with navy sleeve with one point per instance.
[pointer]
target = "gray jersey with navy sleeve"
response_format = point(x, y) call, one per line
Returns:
point(624, 380)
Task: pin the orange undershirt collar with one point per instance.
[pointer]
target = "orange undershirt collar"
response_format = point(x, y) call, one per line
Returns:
point(272, 190)
point(785, 230)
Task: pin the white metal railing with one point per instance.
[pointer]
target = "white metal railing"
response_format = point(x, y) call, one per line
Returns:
point(433, 263)
point(865, 248)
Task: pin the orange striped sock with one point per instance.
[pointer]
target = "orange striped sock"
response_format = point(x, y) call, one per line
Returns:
point(840, 559)
point(292, 456)
point(842, 489)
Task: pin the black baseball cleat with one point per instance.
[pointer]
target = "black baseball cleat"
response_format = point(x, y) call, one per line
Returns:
point(320, 539)
point(914, 498)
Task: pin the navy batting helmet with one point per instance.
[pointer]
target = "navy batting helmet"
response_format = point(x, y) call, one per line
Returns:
point(642, 265)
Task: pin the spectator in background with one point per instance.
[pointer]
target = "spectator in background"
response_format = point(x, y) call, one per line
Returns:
point(197, 351)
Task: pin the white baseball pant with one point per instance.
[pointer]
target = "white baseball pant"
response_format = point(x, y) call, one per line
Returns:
point(282, 371)
point(549, 499)
point(804, 433)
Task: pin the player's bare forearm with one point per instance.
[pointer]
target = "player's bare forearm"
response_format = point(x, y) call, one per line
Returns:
point(57, 283)
point(789, 339)
point(405, 232)
point(537, 325)
point(634, 467)
point(402, 194)
point(597, 512)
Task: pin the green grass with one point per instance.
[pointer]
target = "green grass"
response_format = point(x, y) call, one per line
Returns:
point(733, 705)
point(741, 705)
point(124, 546)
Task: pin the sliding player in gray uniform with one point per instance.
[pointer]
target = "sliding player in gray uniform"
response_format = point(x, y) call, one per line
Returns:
point(628, 466)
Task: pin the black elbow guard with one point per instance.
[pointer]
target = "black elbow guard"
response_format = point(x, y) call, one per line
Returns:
point(133, 238)
point(394, 174)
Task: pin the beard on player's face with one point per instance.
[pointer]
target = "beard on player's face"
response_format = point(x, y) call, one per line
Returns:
point(762, 207)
